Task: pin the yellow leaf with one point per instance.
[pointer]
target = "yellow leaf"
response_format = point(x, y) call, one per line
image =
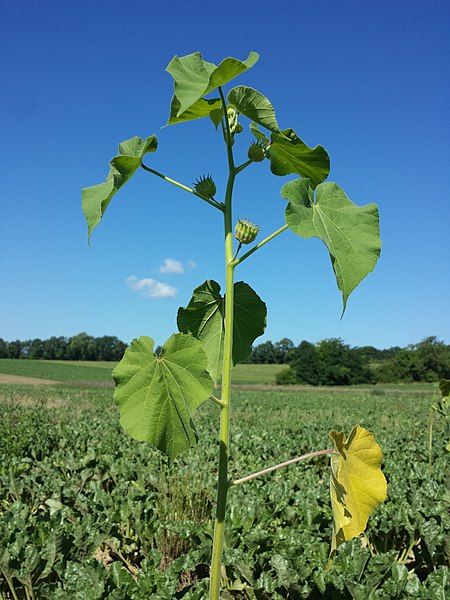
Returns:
point(357, 483)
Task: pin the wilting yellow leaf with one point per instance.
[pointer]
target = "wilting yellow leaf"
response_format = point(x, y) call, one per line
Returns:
point(357, 483)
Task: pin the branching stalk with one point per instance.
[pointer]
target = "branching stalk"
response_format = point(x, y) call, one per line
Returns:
point(210, 201)
point(262, 243)
point(216, 400)
point(243, 166)
point(286, 463)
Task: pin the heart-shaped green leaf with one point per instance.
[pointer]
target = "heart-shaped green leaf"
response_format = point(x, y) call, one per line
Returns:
point(95, 199)
point(254, 106)
point(194, 77)
point(289, 154)
point(204, 319)
point(158, 395)
point(202, 108)
point(357, 484)
point(350, 232)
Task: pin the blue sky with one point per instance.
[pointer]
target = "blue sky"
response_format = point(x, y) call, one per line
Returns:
point(368, 80)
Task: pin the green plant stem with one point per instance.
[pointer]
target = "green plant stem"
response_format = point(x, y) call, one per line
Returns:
point(430, 440)
point(237, 251)
point(262, 243)
point(210, 201)
point(222, 483)
point(10, 585)
point(286, 463)
point(216, 400)
point(243, 166)
point(130, 568)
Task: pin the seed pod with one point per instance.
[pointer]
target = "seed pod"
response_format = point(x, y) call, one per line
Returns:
point(245, 231)
point(239, 128)
point(205, 186)
point(256, 152)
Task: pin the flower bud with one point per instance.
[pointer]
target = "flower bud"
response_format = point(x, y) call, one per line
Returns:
point(256, 152)
point(205, 186)
point(245, 231)
point(232, 119)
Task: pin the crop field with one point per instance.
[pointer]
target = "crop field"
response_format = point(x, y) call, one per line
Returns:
point(88, 513)
point(100, 372)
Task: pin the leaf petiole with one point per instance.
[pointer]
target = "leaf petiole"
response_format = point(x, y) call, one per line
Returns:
point(242, 167)
point(211, 201)
point(217, 401)
point(286, 463)
point(263, 242)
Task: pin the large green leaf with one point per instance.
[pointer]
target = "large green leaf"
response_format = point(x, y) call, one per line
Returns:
point(95, 199)
point(357, 484)
point(204, 319)
point(158, 395)
point(289, 154)
point(202, 108)
point(350, 232)
point(254, 106)
point(195, 77)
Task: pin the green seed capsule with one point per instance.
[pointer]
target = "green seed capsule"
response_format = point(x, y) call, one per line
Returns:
point(205, 186)
point(245, 231)
point(256, 152)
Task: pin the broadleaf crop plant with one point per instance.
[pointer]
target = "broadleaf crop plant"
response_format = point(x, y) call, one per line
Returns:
point(159, 394)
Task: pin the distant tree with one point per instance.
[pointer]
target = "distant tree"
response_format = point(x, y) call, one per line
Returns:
point(35, 349)
point(3, 348)
point(81, 347)
point(109, 348)
point(340, 364)
point(433, 357)
point(305, 363)
point(15, 349)
point(369, 354)
point(264, 354)
point(281, 349)
point(55, 348)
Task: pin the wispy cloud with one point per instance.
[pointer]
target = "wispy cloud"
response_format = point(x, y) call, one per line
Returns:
point(192, 264)
point(150, 287)
point(172, 266)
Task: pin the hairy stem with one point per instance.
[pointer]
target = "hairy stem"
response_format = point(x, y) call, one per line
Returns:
point(263, 242)
point(286, 463)
point(222, 483)
point(210, 201)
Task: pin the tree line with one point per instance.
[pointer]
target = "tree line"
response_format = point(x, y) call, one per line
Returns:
point(329, 362)
point(332, 362)
point(78, 347)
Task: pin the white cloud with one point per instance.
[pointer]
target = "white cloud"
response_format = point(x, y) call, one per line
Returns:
point(172, 266)
point(150, 287)
point(192, 264)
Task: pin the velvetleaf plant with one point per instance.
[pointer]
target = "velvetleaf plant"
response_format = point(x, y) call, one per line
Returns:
point(158, 394)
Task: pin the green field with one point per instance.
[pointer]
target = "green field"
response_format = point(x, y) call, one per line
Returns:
point(88, 513)
point(100, 372)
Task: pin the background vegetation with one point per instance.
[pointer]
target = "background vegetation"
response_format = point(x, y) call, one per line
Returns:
point(88, 513)
point(330, 362)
